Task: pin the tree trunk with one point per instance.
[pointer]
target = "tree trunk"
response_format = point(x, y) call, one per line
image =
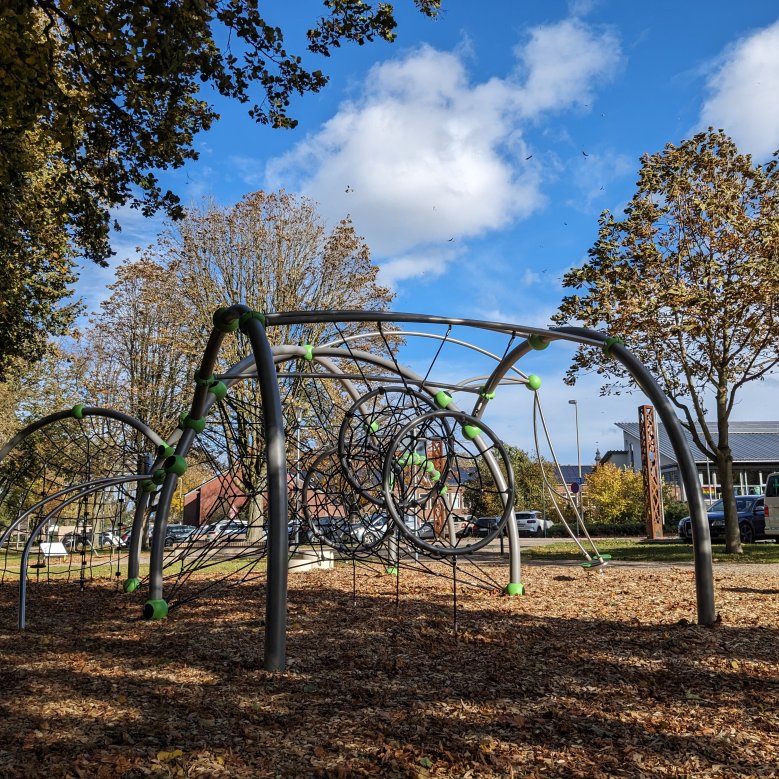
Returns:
point(725, 468)
point(257, 531)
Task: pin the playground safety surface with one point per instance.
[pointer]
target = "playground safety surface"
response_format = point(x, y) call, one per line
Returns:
point(587, 675)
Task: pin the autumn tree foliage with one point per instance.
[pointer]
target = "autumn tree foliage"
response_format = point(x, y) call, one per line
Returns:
point(98, 96)
point(273, 252)
point(530, 490)
point(137, 354)
point(615, 494)
point(690, 279)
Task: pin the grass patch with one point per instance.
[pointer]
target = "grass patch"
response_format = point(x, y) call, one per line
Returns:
point(668, 551)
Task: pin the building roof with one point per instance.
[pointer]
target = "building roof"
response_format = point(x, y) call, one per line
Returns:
point(571, 472)
point(751, 442)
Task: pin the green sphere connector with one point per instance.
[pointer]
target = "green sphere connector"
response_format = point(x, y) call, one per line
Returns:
point(443, 399)
point(165, 450)
point(538, 342)
point(198, 425)
point(222, 324)
point(429, 466)
point(204, 382)
point(175, 464)
point(471, 431)
point(158, 476)
point(443, 490)
point(309, 355)
point(78, 411)
point(609, 342)
point(418, 459)
point(373, 427)
point(515, 588)
point(486, 395)
point(533, 382)
point(392, 570)
point(435, 476)
point(148, 486)
point(131, 585)
point(155, 609)
point(248, 316)
point(218, 389)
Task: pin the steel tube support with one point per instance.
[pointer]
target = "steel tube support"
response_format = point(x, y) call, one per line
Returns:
point(704, 572)
point(278, 540)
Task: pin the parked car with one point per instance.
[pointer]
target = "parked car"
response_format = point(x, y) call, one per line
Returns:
point(771, 514)
point(229, 530)
point(751, 519)
point(481, 526)
point(532, 523)
point(177, 534)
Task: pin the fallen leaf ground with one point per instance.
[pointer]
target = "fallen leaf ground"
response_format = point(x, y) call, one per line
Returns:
point(588, 675)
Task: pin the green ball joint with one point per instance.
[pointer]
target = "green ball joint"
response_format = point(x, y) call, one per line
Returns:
point(515, 588)
point(77, 411)
point(155, 609)
point(131, 585)
point(309, 352)
point(223, 321)
point(609, 343)
point(533, 382)
point(248, 317)
point(175, 464)
point(538, 342)
point(165, 451)
point(471, 432)
point(215, 387)
point(443, 399)
point(198, 425)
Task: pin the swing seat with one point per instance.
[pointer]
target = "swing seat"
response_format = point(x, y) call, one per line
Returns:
point(596, 562)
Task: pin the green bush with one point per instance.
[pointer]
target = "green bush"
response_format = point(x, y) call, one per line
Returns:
point(610, 529)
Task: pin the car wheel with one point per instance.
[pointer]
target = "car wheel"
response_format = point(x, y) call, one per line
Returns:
point(747, 533)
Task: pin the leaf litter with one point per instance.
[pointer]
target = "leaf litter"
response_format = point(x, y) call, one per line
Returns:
point(588, 676)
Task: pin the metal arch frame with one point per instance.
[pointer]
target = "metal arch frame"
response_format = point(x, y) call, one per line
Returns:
point(97, 411)
point(81, 491)
point(704, 580)
point(141, 497)
point(263, 357)
point(515, 558)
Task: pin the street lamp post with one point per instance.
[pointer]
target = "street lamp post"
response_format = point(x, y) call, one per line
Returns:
point(575, 404)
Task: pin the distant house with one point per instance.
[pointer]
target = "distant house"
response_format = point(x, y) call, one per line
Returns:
point(755, 447)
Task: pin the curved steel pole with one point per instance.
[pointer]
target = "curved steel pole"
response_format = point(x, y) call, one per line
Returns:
point(84, 490)
point(278, 543)
point(704, 573)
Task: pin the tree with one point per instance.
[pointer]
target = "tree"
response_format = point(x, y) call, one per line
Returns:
point(689, 278)
point(530, 491)
point(272, 252)
point(615, 494)
point(137, 355)
point(100, 95)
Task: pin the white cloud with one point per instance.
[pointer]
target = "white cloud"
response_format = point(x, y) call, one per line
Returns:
point(424, 155)
point(564, 63)
point(425, 265)
point(743, 93)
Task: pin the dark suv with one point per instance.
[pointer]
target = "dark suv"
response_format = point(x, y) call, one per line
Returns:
point(751, 519)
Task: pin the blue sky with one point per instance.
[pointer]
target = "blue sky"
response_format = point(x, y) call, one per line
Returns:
point(476, 152)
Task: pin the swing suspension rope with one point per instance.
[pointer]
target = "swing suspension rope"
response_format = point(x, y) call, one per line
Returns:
point(596, 558)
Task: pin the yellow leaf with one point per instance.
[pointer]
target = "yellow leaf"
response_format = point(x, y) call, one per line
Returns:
point(165, 757)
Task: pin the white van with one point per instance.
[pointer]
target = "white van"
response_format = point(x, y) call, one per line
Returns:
point(772, 505)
